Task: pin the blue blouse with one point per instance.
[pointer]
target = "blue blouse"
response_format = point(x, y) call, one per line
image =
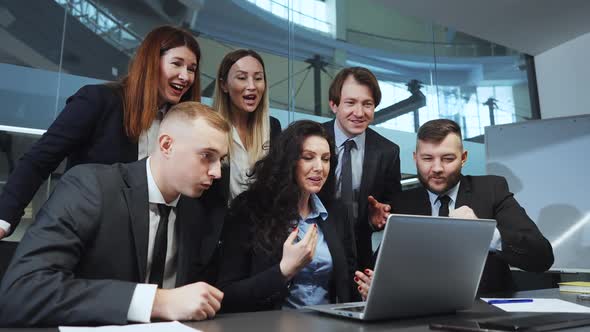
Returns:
point(310, 286)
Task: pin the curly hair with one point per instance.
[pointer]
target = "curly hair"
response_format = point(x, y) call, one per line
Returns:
point(271, 201)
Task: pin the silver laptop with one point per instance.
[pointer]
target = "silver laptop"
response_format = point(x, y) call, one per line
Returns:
point(426, 265)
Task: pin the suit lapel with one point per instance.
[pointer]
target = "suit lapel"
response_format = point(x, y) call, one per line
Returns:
point(464, 194)
point(187, 216)
point(335, 247)
point(370, 162)
point(136, 196)
point(421, 202)
point(212, 223)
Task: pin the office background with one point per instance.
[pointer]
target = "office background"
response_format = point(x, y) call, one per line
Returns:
point(471, 61)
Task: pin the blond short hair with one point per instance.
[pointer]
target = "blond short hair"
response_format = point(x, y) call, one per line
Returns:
point(192, 110)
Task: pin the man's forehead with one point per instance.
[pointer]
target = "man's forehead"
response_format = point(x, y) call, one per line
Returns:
point(206, 137)
point(442, 147)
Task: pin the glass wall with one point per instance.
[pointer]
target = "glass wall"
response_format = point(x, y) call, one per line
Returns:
point(51, 48)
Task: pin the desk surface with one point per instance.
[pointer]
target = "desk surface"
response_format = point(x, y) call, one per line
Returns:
point(305, 321)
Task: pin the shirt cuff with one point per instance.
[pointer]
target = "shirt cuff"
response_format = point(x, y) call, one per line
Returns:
point(5, 226)
point(496, 244)
point(140, 309)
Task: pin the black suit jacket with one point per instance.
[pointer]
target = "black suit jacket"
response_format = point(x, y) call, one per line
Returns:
point(523, 245)
point(252, 281)
point(79, 263)
point(90, 129)
point(381, 179)
point(220, 188)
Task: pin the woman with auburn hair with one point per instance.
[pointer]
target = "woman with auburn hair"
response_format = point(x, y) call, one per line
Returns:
point(284, 245)
point(109, 123)
point(241, 96)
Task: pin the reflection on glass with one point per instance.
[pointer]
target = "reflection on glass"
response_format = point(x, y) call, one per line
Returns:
point(308, 13)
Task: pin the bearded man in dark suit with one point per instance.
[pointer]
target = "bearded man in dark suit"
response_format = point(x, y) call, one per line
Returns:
point(517, 241)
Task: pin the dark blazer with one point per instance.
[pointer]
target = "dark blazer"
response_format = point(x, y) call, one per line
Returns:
point(252, 281)
point(381, 179)
point(90, 129)
point(79, 263)
point(523, 245)
point(220, 188)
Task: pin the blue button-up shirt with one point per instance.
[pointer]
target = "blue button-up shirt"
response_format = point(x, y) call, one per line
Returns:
point(310, 286)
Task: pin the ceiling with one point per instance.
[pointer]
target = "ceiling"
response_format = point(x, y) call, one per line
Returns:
point(529, 26)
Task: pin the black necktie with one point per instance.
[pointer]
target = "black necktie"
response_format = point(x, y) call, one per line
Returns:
point(444, 206)
point(346, 173)
point(160, 245)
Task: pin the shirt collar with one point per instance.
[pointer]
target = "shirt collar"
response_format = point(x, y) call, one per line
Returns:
point(317, 209)
point(154, 194)
point(452, 193)
point(340, 137)
point(236, 137)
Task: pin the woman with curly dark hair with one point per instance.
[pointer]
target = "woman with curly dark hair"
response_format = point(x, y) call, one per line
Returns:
point(284, 246)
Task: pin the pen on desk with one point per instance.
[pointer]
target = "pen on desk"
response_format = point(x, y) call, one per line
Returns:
point(503, 301)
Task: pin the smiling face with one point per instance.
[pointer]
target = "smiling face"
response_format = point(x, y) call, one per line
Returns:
point(245, 84)
point(439, 164)
point(314, 165)
point(177, 74)
point(356, 109)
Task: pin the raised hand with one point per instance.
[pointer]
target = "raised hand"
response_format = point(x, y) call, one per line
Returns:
point(297, 255)
point(378, 213)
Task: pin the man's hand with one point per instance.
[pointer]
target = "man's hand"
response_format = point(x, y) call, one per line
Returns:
point(2, 233)
point(196, 301)
point(297, 255)
point(464, 212)
point(378, 213)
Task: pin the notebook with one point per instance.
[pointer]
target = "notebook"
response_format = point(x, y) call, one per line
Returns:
point(575, 286)
point(426, 265)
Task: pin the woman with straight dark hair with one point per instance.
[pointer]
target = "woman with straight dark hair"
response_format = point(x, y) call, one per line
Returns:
point(241, 97)
point(109, 123)
point(284, 246)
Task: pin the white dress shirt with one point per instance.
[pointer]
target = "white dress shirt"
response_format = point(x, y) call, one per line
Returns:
point(143, 297)
point(239, 166)
point(496, 243)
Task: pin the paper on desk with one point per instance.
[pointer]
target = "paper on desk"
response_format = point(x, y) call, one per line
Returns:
point(152, 327)
point(541, 305)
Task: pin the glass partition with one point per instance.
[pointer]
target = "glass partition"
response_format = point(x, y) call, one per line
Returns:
point(49, 49)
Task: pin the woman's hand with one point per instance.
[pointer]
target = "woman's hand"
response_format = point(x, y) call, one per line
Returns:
point(364, 282)
point(297, 255)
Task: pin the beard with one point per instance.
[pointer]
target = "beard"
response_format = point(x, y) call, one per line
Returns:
point(451, 181)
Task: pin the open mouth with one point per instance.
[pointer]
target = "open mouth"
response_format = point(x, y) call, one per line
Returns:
point(250, 99)
point(177, 87)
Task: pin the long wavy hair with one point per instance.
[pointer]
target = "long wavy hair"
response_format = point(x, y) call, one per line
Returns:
point(258, 121)
point(271, 201)
point(140, 86)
